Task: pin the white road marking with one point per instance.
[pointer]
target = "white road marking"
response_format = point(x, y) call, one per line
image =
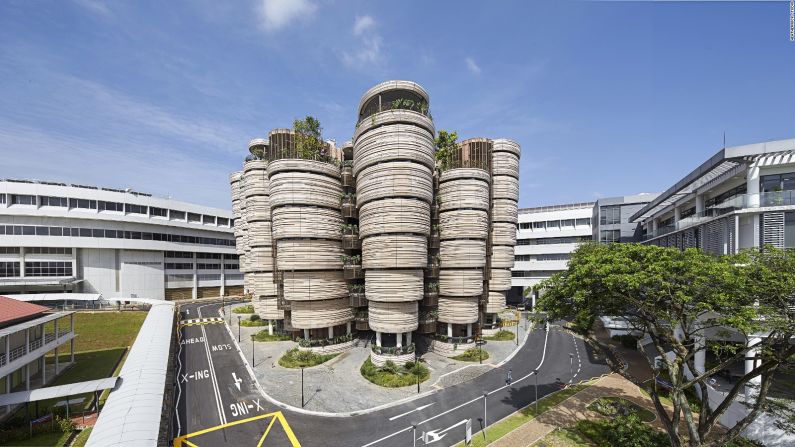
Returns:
point(412, 411)
point(214, 381)
point(543, 356)
point(237, 381)
point(439, 434)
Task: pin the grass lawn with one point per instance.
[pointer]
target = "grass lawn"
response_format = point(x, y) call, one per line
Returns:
point(254, 323)
point(296, 359)
point(264, 336)
point(247, 309)
point(564, 437)
point(103, 330)
point(393, 376)
point(502, 335)
point(472, 355)
point(90, 365)
point(54, 439)
point(82, 438)
point(525, 415)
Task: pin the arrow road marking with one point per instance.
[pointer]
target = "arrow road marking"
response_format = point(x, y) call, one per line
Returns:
point(432, 436)
point(237, 381)
point(412, 411)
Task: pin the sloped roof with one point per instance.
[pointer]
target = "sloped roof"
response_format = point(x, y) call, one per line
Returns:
point(12, 310)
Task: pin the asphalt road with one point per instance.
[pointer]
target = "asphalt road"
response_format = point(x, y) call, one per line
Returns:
point(219, 404)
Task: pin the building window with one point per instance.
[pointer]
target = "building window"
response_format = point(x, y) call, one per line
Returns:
point(9, 269)
point(179, 254)
point(161, 212)
point(730, 194)
point(610, 236)
point(20, 199)
point(83, 203)
point(177, 215)
point(687, 213)
point(223, 222)
point(179, 265)
point(524, 226)
point(208, 255)
point(789, 230)
point(20, 230)
point(777, 182)
point(53, 201)
point(231, 266)
point(553, 224)
point(48, 268)
point(610, 215)
point(135, 209)
point(2, 198)
point(554, 257)
point(110, 206)
point(522, 258)
point(9, 250)
point(203, 266)
point(193, 217)
point(584, 222)
point(208, 219)
point(569, 223)
point(48, 250)
point(539, 225)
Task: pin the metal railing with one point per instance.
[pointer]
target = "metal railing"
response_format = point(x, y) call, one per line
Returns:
point(738, 202)
point(2, 359)
point(17, 353)
point(35, 344)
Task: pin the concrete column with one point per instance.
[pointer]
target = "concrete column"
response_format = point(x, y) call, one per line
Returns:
point(752, 186)
point(750, 363)
point(399, 339)
point(27, 341)
point(378, 339)
point(223, 276)
point(27, 377)
point(408, 338)
point(449, 329)
point(56, 361)
point(72, 350)
point(8, 389)
point(699, 203)
point(677, 215)
point(331, 332)
point(306, 334)
point(469, 329)
point(348, 328)
point(270, 327)
point(533, 301)
point(44, 370)
point(195, 275)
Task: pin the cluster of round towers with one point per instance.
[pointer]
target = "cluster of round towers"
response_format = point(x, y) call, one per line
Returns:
point(378, 235)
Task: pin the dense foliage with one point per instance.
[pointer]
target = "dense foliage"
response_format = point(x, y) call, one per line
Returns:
point(675, 297)
point(393, 376)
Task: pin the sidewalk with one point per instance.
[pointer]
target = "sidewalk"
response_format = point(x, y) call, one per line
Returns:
point(573, 409)
point(337, 386)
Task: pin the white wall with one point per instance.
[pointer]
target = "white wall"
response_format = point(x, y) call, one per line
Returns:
point(142, 274)
point(99, 272)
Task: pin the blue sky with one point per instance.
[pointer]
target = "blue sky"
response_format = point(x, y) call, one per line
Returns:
point(606, 98)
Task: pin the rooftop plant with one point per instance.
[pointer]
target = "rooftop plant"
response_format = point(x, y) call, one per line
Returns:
point(446, 145)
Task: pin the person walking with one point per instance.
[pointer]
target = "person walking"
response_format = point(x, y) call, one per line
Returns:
point(509, 380)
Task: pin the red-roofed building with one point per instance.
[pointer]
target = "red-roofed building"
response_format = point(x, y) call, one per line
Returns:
point(14, 311)
point(28, 332)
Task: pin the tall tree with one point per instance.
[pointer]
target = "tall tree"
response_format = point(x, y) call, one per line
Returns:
point(446, 143)
point(678, 298)
point(308, 138)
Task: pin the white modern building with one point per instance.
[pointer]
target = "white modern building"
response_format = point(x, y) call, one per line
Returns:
point(120, 243)
point(545, 238)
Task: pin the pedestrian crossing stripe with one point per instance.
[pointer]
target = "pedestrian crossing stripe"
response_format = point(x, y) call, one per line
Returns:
point(197, 321)
point(183, 441)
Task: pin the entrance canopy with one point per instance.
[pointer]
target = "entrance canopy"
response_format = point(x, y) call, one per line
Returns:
point(52, 392)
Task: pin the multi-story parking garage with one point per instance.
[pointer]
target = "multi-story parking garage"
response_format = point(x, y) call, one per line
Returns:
point(56, 237)
point(379, 234)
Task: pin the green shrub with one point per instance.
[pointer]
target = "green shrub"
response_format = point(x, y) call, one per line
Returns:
point(65, 424)
point(253, 323)
point(247, 309)
point(625, 431)
point(617, 406)
point(582, 322)
point(254, 317)
point(266, 337)
point(392, 376)
point(501, 336)
point(295, 358)
point(472, 355)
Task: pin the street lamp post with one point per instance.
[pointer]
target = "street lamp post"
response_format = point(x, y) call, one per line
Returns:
point(238, 328)
point(571, 366)
point(485, 414)
point(414, 434)
point(253, 349)
point(302, 387)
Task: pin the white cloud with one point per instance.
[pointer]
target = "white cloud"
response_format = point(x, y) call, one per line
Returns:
point(362, 24)
point(369, 53)
point(472, 66)
point(95, 6)
point(276, 14)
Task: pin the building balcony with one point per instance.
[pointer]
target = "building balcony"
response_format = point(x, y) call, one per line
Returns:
point(351, 242)
point(349, 210)
point(347, 176)
point(357, 299)
point(432, 271)
point(353, 271)
point(431, 298)
point(736, 203)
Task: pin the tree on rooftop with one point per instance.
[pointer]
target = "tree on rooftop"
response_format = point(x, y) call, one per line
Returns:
point(446, 143)
point(308, 138)
point(676, 297)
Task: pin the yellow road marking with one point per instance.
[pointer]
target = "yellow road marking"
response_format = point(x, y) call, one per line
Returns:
point(178, 442)
point(267, 430)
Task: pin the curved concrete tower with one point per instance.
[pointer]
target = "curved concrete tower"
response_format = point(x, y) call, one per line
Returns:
point(505, 197)
point(305, 207)
point(259, 260)
point(393, 162)
point(464, 193)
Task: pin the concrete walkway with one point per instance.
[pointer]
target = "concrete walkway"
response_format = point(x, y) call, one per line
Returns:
point(337, 386)
point(573, 409)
